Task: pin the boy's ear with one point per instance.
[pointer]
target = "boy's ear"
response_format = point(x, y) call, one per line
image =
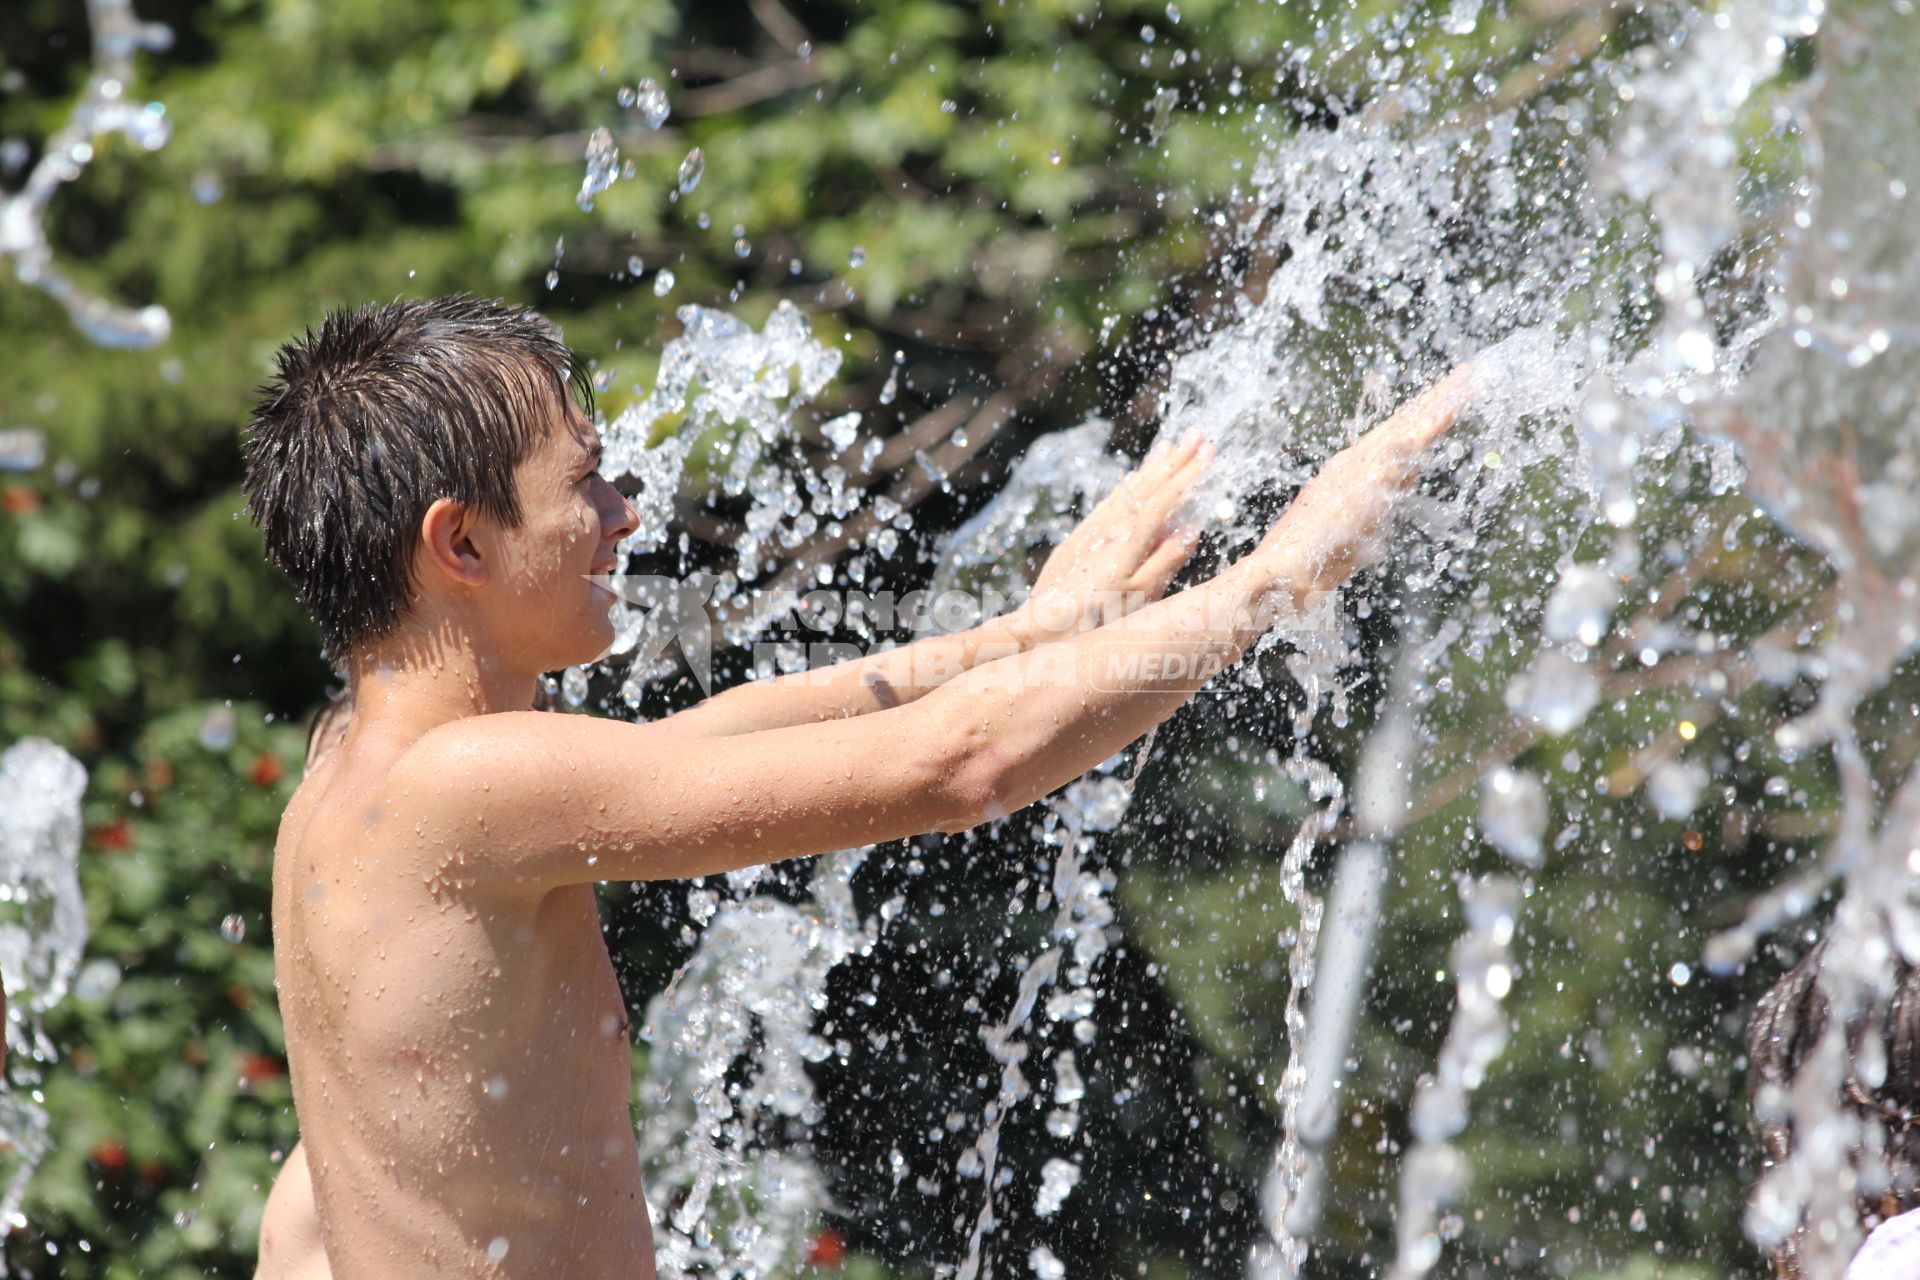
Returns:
point(447, 545)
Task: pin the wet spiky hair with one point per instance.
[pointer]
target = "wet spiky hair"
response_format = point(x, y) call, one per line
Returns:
point(371, 419)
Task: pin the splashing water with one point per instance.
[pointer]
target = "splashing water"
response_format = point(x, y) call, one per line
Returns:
point(103, 109)
point(720, 375)
point(1434, 1174)
point(735, 1201)
point(1800, 353)
point(1061, 478)
point(43, 929)
point(735, 1204)
point(649, 100)
point(605, 167)
point(692, 169)
point(1079, 938)
point(1579, 389)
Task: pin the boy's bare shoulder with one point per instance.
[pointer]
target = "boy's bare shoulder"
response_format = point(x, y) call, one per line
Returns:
point(507, 743)
point(478, 753)
point(513, 743)
point(508, 767)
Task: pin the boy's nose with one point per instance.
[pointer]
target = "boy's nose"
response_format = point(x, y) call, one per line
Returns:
point(628, 519)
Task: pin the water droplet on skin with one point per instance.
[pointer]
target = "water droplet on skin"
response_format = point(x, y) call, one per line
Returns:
point(497, 1249)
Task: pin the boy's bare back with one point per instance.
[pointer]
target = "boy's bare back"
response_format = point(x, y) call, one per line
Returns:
point(464, 1052)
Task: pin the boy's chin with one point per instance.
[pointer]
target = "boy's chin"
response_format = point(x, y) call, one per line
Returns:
point(601, 643)
point(586, 643)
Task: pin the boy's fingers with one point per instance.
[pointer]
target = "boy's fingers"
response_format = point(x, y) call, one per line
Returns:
point(1166, 463)
point(1180, 481)
point(1167, 558)
point(1428, 415)
point(1179, 451)
point(1172, 491)
point(1390, 453)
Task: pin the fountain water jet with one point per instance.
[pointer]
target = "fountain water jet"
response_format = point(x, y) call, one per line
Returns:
point(43, 929)
point(102, 110)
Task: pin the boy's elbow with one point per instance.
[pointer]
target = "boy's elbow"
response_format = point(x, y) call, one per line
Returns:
point(974, 774)
point(973, 796)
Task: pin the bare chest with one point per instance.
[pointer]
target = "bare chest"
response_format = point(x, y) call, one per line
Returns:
point(455, 1055)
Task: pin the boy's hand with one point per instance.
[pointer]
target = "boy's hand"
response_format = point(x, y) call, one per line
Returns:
point(1126, 551)
point(1330, 529)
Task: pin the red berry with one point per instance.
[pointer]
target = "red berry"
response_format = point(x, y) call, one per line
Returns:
point(255, 1067)
point(114, 835)
point(829, 1249)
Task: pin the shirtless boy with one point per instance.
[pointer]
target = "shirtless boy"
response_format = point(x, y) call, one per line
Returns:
point(457, 1042)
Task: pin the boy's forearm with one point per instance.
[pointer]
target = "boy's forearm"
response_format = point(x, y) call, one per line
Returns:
point(890, 678)
point(1041, 719)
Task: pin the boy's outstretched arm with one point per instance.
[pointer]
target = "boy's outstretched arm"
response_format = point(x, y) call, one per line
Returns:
point(569, 799)
point(1124, 553)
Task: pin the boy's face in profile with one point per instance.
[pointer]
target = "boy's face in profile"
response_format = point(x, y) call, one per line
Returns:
point(545, 611)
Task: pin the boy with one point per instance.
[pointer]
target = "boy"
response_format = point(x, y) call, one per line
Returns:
point(456, 1038)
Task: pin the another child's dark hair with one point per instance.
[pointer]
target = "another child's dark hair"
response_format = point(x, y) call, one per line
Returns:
point(1785, 1029)
point(371, 419)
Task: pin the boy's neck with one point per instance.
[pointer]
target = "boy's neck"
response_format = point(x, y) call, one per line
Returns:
point(415, 681)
